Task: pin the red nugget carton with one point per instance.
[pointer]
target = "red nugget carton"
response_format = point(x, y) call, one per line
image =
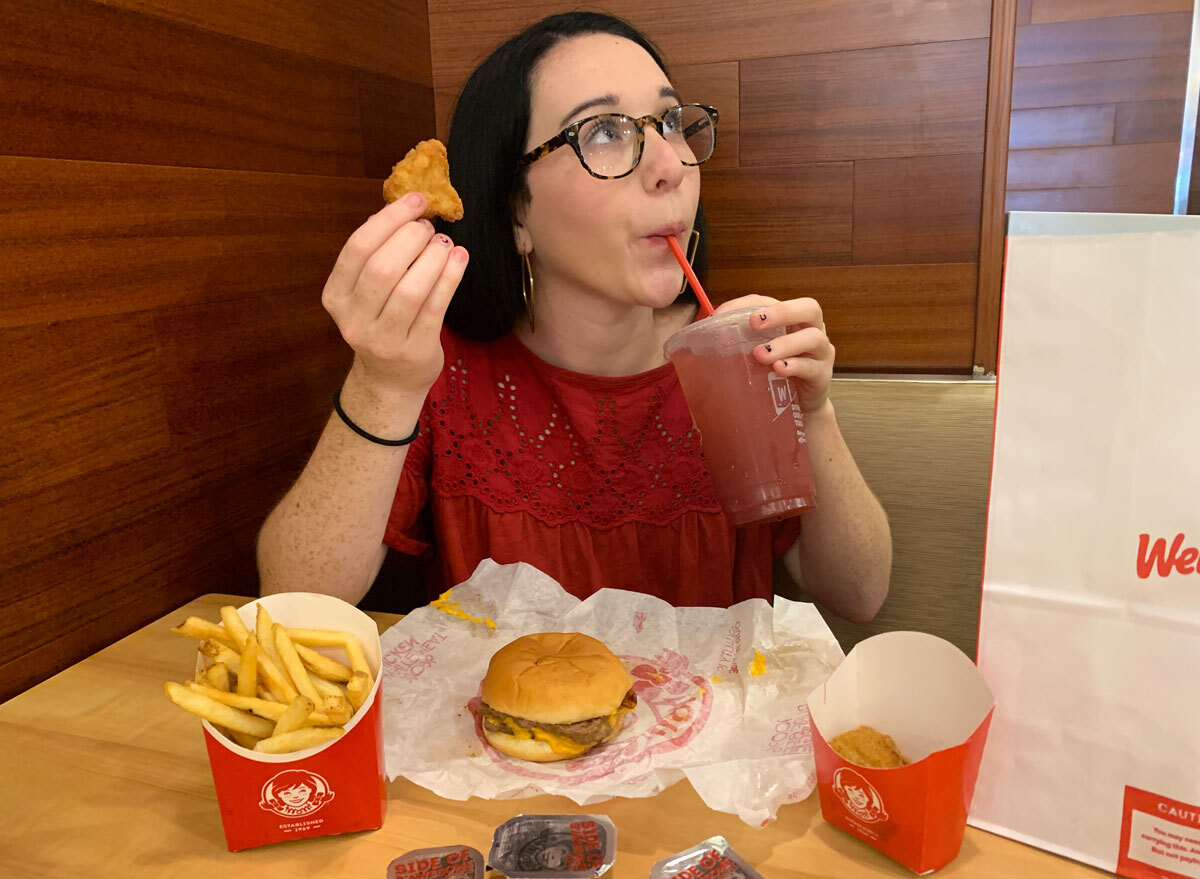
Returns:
point(930, 698)
point(339, 787)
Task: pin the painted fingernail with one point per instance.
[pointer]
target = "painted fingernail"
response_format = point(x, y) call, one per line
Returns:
point(784, 362)
point(762, 316)
point(428, 225)
point(767, 348)
point(414, 199)
point(443, 240)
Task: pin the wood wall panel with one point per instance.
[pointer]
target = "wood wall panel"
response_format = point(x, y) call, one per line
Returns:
point(1126, 165)
point(1068, 10)
point(1146, 199)
point(388, 132)
point(775, 217)
point(463, 32)
point(106, 406)
point(87, 82)
point(1092, 125)
point(902, 317)
point(902, 101)
point(167, 361)
point(285, 340)
point(917, 210)
point(444, 100)
point(1104, 39)
point(718, 86)
point(1024, 12)
point(1099, 82)
point(81, 239)
point(1149, 122)
point(1113, 74)
point(387, 36)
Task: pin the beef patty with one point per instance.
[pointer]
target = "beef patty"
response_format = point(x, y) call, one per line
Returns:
point(584, 732)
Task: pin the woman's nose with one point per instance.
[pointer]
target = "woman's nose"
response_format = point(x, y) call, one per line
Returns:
point(662, 166)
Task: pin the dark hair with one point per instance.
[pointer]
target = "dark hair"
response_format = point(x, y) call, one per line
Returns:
point(487, 137)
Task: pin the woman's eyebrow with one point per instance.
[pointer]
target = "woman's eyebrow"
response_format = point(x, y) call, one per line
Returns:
point(602, 101)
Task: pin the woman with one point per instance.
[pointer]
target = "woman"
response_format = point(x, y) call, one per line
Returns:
point(543, 423)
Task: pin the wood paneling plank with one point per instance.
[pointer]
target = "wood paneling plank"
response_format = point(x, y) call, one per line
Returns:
point(917, 210)
point(81, 239)
point(1099, 82)
point(444, 101)
point(1061, 127)
point(386, 36)
point(1024, 11)
point(879, 317)
point(463, 32)
point(1147, 199)
point(395, 116)
point(1149, 122)
point(798, 215)
point(1127, 165)
point(285, 340)
point(78, 396)
point(83, 81)
point(716, 85)
point(876, 103)
point(995, 166)
point(1070, 10)
point(1104, 39)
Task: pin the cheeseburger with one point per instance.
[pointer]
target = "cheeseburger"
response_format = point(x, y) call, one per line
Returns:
point(553, 696)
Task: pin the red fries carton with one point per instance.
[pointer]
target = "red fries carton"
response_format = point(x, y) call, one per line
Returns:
point(338, 787)
point(930, 698)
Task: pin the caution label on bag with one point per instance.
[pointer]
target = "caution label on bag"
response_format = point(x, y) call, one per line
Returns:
point(1160, 837)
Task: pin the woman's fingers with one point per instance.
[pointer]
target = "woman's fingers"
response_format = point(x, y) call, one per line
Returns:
point(427, 325)
point(409, 293)
point(363, 244)
point(803, 312)
point(809, 342)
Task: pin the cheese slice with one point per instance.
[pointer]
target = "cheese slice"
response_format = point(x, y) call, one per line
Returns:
point(558, 744)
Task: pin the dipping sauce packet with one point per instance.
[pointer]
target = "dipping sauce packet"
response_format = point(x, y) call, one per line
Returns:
point(554, 847)
point(710, 859)
point(446, 862)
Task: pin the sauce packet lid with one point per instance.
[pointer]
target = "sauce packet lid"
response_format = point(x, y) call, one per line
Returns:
point(710, 859)
point(446, 862)
point(554, 847)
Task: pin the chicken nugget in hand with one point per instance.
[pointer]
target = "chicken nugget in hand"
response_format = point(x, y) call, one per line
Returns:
point(426, 170)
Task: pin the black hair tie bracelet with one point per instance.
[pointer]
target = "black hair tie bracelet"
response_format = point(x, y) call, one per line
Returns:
point(337, 407)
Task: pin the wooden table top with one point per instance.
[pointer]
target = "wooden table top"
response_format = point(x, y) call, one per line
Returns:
point(102, 776)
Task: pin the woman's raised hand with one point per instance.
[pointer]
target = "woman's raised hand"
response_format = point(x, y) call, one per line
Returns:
point(388, 293)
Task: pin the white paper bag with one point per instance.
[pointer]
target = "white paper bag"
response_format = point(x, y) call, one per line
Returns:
point(1090, 626)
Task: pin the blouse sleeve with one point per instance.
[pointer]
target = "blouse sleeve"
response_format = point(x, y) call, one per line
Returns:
point(406, 530)
point(784, 534)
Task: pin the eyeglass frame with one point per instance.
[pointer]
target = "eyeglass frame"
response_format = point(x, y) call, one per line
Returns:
point(570, 135)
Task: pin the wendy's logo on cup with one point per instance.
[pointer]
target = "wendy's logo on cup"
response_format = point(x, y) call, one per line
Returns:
point(781, 392)
point(858, 796)
point(293, 793)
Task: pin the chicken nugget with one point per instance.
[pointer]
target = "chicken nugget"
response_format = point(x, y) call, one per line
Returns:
point(867, 747)
point(426, 170)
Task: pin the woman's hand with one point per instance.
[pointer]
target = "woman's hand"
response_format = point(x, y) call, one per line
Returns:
point(388, 293)
point(805, 354)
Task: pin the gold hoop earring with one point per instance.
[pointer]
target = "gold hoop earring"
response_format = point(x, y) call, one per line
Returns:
point(693, 243)
point(527, 287)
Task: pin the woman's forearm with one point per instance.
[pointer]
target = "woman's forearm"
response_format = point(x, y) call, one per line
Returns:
point(844, 550)
point(326, 535)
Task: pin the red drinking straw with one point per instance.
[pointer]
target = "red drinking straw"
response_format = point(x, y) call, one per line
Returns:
point(705, 305)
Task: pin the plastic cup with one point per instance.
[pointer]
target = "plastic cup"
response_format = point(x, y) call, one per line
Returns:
point(750, 422)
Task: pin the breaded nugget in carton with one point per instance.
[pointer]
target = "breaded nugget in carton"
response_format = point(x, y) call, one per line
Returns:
point(338, 787)
point(930, 698)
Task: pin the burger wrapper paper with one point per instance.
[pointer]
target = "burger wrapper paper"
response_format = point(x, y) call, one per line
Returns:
point(722, 694)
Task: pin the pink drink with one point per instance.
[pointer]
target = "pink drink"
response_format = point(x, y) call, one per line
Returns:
point(749, 419)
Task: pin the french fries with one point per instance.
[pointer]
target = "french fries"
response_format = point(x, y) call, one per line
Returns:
point(268, 689)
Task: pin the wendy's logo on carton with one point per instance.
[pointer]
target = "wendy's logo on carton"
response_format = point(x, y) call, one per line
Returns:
point(1155, 557)
point(858, 796)
point(293, 793)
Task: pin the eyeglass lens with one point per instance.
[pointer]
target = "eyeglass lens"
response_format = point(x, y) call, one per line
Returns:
point(609, 144)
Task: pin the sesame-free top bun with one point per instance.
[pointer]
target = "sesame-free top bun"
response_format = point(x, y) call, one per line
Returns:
point(555, 677)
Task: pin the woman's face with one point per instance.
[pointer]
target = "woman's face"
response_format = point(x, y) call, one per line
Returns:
point(605, 236)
